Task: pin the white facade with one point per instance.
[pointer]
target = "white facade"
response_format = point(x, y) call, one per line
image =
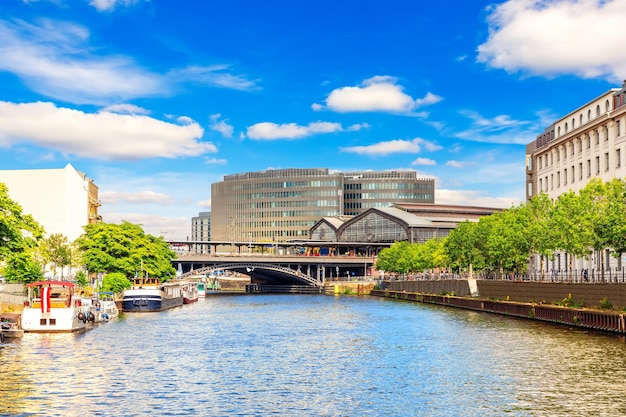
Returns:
point(587, 143)
point(58, 199)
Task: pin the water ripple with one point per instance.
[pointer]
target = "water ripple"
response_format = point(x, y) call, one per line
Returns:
point(314, 356)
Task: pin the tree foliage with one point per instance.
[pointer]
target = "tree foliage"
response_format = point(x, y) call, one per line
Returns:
point(116, 282)
point(125, 248)
point(21, 267)
point(19, 234)
point(579, 224)
point(57, 250)
point(403, 257)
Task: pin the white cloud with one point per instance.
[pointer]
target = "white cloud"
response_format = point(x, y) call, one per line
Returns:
point(108, 5)
point(215, 161)
point(376, 94)
point(170, 228)
point(205, 203)
point(424, 161)
point(139, 197)
point(551, 37)
point(125, 109)
point(357, 127)
point(102, 135)
point(215, 76)
point(500, 129)
point(221, 126)
point(473, 198)
point(53, 59)
point(456, 164)
point(271, 131)
point(392, 146)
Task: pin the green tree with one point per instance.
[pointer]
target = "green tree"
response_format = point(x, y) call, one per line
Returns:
point(616, 220)
point(509, 240)
point(127, 249)
point(116, 282)
point(81, 279)
point(21, 267)
point(19, 234)
point(56, 250)
point(396, 258)
point(573, 229)
point(463, 247)
point(540, 236)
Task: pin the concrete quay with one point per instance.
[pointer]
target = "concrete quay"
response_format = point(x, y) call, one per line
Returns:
point(529, 300)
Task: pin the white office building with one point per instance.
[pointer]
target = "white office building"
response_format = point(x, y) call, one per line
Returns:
point(589, 142)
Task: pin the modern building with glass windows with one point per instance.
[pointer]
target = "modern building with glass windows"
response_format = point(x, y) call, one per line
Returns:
point(587, 143)
point(280, 205)
point(201, 231)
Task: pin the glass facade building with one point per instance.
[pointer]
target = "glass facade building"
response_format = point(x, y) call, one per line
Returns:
point(279, 205)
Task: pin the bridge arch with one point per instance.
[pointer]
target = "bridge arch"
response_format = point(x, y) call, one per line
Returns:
point(260, 273)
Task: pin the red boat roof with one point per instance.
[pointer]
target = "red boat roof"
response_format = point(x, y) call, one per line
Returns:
point(42, 283)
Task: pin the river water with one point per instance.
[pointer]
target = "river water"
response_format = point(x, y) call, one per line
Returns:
point(312, 355)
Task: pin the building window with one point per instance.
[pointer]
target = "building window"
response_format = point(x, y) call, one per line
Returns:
point(588, 168)
point(540, 185)
point(573, 123)
point(607, 105)
point(558, 155)
point(618, 158)
point(559, 131)
point(558, 179)
point(580, 171)
point(598, 110)
point(589, 115)
point(588, 142)
point(606, 161)
point(565, 177)
point(566, 128)
point(618, 130)
point(597, 165)
point(572, 148)
point(552, 181)
point(573, 174)
point(581, 119)
point(606, 133)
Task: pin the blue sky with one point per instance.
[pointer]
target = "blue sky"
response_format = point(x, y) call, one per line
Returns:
point(157, 99)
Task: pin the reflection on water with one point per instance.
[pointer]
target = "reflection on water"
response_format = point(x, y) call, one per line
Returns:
point(314, 356)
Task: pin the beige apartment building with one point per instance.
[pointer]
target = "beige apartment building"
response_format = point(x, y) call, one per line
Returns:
point(589, 142)
point(283, 204)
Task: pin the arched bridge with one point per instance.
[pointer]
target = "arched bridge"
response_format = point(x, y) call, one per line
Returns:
point(277, 270)
point(260, 274)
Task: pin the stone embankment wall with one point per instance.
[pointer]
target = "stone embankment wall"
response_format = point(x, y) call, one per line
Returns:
point(608, 321)
point(587, 295)
point(11, 295)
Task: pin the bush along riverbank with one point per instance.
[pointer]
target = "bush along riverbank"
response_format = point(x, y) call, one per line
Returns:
point(600, 320)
